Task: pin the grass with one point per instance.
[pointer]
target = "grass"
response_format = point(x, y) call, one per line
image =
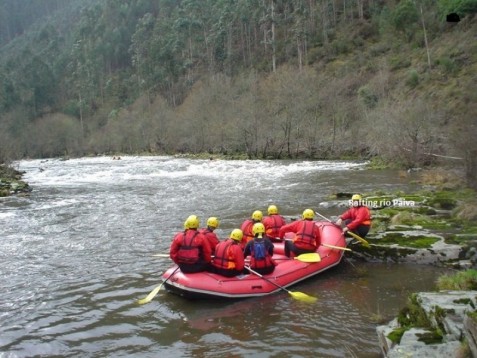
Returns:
point(463, 281)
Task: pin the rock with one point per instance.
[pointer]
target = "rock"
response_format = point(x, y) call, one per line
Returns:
point(470, 331)
point(447, 312)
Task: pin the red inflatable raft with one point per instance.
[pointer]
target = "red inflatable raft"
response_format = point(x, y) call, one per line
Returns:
point(287, 272)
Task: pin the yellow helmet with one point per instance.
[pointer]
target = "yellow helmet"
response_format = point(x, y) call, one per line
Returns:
point(258, 228)
point(257, 215)
point(192, 222)
point(356, 197)
point(272, 210)
point(308, 214)
point(213, 222)
point(236, 235)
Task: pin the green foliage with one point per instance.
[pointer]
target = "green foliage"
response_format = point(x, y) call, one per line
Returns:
point(463, 280)
point(396, 334)
point(399, 61)
point(461, 7)
point(413, 315)
point(367, 97)
point(404, 16)
point(412, 79)
point(447, 64)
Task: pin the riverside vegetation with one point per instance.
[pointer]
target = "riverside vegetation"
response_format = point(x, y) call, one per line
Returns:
point(321, 79)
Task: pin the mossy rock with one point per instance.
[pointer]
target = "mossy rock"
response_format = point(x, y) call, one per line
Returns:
point(461, 239)
point(406, 240)
point(430, 337)
point(384, 253)
point(443, 200)
point(396, 334)
point(413, 315)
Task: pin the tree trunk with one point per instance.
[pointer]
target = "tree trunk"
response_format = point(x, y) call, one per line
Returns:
point(274, 64)
point(425, 39)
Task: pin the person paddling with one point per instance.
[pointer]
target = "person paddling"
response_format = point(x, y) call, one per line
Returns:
point(273, 222)
point(228, 260)
point(247, 226)
point(208, 232)
point(261, 251)
point(356, 219)
point(190, 250)
point(307, 235)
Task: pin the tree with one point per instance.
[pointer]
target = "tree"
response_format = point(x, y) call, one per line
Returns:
point(404, 18)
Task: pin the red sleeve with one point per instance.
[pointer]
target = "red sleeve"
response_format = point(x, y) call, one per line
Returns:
point(267, 221)
point(291, 227)
point(239, 259)
point(360, 215)
point(175, 246)
point(245, 225)
point(207, 251)
point(346, 215)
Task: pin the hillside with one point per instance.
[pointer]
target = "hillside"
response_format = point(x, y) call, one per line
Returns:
point(270, 79)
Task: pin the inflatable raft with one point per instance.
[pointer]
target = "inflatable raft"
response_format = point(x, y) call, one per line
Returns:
point(287, 272)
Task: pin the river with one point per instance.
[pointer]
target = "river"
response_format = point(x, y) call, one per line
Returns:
point(77, 253)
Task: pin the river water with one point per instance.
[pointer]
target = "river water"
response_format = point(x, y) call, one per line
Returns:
point(77, 253)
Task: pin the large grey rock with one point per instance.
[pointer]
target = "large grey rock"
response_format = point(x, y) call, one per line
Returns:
point(448, 313)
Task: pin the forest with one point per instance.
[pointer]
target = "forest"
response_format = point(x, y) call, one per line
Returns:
point(320, 79)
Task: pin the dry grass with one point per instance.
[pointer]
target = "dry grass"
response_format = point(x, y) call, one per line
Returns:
point(442, 178)
point(467, 211)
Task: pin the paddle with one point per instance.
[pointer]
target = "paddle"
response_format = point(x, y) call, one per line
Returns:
point(336, 247)
point(309, 257)
point(296, 295)
point(155, 291)
point(357, 237)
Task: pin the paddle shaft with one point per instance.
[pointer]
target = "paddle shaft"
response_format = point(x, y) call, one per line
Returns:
point(336, 247)
point(155, 291)
point(296, 295)
point(172, 274)
point(266, 279)
point(323, 217)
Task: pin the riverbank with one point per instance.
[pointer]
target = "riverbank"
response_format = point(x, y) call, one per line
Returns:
point(439, 324)
point(435, 225)
point(11, 182)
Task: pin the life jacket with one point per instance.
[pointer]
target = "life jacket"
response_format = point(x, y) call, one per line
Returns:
point(247, 230)
point(223, 259)
point(189, 253)
point(260, 258)
point(306, 236)
point(273, 223)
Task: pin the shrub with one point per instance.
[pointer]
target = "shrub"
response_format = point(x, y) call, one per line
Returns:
point(461, 7)
point(413, 78)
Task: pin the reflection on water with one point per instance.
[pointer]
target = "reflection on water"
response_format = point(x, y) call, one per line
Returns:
point(77, 254)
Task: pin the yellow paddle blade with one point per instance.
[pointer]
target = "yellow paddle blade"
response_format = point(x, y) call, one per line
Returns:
point(310, 257)
point(336, 247)
point(359, 238)
point(150, 296)
point(300, 296)
point(162, 255)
